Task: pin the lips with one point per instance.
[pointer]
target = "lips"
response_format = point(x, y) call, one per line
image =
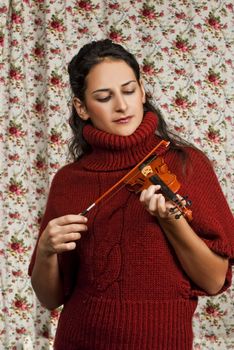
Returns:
point(123, 120)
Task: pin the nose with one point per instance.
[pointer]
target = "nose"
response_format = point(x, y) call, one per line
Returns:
point(120, 103)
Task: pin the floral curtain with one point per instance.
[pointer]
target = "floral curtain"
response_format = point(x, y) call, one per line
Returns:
point(185, 50)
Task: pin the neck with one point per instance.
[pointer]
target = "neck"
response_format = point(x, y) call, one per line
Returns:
point(113, 152)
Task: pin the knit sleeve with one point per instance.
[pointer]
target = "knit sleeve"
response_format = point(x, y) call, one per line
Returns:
point(52, 211)
point(212, 220)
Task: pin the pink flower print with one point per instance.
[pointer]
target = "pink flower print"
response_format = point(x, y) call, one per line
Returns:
point(212, 105)
point(181, 44)
point(56, 80)
point(16, 247)
point(213, 135)
point(20, 303)
point(211, 337)
point(40, 163)
point(39, 106)
point(180, 15)
point(114, 6)
point(13, 157)
point(38, 51)
point(1, 39)
point(3, 9)
point(16, 18)
point(15, 188)
point(55, 314)
point(212, 48)
point(55, 51)
point(17, 273)
point(148, 67)
point(57, 24)
point(147, 39)
point(15, 73)
point(55, 137)
point(21, 330)
point(55, 107)
point(214, 22)
point(181, 101)
point(15, 130)
point(213, 78)
point(14, 99)
point(115, 34)
point(84, 5)
point(14, 215)
point(230, 7)
point(180, 71)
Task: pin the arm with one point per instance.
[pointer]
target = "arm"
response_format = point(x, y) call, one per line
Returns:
point(204, 267)
point(59, 236)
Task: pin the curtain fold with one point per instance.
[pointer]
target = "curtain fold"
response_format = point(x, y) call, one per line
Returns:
point(185, 50)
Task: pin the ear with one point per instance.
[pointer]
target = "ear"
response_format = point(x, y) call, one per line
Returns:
point(143, 92)
point(80, 109)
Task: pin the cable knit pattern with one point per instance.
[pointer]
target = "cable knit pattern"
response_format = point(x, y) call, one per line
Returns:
point(124, 285)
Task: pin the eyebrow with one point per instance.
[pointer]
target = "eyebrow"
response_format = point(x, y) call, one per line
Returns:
point(107, 89)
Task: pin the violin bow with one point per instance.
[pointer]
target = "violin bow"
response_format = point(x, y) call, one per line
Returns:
point(161, 147)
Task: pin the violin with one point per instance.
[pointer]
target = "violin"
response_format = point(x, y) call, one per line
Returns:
point(153, 170)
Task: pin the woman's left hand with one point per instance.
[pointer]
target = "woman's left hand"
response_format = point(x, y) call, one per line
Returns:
point(156, 204)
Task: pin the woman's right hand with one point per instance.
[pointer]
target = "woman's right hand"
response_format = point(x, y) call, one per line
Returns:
point(61, 234)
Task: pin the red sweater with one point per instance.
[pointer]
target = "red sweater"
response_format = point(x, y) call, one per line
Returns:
point(124, 286)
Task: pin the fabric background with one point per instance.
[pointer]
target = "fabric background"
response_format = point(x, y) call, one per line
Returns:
point(185, 49)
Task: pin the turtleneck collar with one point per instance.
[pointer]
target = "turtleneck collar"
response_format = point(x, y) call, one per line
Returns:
point(113, 152)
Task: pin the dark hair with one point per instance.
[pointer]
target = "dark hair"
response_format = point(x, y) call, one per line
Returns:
point(90, 55)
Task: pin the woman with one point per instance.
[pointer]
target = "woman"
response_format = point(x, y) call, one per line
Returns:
point(130, 272)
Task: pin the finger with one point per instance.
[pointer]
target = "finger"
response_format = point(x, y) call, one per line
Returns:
point(72, 228)
point(65, 247)
point(69, 237)
point(68, 219)
point(162, 209)
point(147, 194)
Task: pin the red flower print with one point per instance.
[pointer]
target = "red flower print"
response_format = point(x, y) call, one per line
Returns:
point(230, 7)
point(39, 106)
point(84, 5)
point(114, 6)
point(40, 163)
point(180, 15)
point(181, 44)
point(213, 135)
point(13, 157)
point(181, 101)
point(20, 304)
point(214, 22)
point(39, 51)
point(56, 24)
point(15, 130)
point(3, 9)
point(115, 36)
point(1, 39)
point(214, 78)
point(56, 80)
point(16, 18)
point(55, 138)
point(55, 314)
point(15, 189)
point(14, 215)
point(21, 330)
point(212, 105)
point(180, 71)
point(17, 273)
point(15, 73)
point(83, 30)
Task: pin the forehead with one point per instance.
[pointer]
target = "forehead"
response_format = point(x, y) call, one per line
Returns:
point(109, 73)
